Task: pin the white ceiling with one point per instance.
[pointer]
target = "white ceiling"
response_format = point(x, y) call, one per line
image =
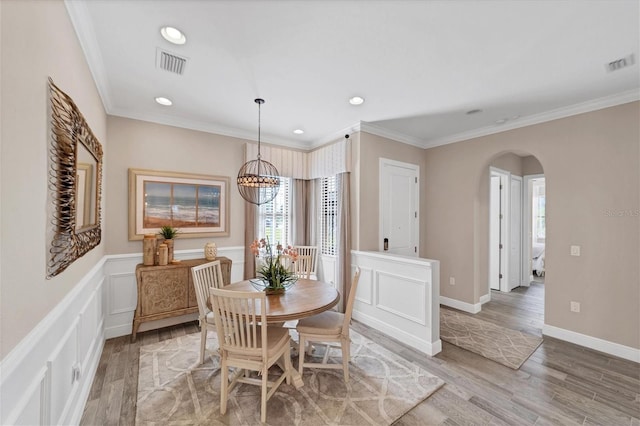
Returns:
point(420, 65)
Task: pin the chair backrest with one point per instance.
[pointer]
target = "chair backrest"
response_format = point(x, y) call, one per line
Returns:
point(206, 276)
point(238, 317)
point(309, 251)
point(286, 261)
point(302, 267)
point(349, 308)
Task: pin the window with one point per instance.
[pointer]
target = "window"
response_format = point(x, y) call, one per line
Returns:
point(328, 217)
point(274, 217)
point(538, 210)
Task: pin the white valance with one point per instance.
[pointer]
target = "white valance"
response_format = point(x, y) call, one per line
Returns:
point(327, 161)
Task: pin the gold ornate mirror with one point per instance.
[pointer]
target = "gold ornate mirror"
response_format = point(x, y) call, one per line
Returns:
point(75, 183)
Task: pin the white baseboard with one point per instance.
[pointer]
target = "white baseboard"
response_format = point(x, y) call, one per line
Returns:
point(486, 298)
point(462, 306)
point(611, 348)
point(429, 348)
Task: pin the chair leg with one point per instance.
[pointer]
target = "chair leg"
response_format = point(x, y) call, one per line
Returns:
point(346, 343)
point(287, 364)
point(263, 400)
point(301, 353)
point(203, 340)
point(224, 384)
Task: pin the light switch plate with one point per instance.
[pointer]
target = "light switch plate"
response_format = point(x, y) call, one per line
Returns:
point(575, 250)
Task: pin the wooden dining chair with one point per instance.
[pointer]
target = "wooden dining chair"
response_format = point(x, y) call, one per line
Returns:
point(204, 277)
point(246, 343)
point(302, 267)
point(326, 328)
point(311, 251)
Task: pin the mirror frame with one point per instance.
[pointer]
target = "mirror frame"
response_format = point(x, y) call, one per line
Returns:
point(68, 129)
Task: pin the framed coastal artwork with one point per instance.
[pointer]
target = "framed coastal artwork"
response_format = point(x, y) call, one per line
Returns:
point(197, 205)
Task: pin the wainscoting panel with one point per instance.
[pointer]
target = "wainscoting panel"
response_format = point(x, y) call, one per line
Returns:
point(46, 378)
point(401, 296)
point(397, 296)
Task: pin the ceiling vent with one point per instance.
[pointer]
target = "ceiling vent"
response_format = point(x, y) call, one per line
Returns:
point(618, 64)
point(170, 62)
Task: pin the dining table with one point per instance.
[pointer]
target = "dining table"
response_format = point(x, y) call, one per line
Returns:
point(304, 299)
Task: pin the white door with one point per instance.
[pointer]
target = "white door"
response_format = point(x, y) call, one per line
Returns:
point(515, 232)
point(399, 207)
point(494, 233)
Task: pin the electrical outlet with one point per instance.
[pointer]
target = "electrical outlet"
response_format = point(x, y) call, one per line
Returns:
point(575, 306)
point(452, 281)
point(575, 250)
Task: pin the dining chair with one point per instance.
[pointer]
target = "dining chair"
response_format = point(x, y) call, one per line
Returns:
point(302, 267)
point(328, 327)
point(246, 343)
point(204, 277)
point(313, 252)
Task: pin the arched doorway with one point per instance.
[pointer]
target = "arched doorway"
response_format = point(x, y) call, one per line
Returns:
point(516, 213)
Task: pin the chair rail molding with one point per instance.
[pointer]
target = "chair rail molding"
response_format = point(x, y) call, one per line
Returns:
point(400, 296)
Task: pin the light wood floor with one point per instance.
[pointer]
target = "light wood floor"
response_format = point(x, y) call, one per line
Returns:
point(560, 383)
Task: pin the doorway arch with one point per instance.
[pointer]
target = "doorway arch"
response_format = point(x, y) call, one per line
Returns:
point(514, 167)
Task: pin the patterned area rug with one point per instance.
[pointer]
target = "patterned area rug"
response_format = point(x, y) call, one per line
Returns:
point(503, 345)
point(174, 390)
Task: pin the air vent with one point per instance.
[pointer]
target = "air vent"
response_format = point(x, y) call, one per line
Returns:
point(170, 62)
point(618, 64)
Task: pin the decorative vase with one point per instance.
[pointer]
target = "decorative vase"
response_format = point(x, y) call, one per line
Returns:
point(210, 251)
point(163, 254)
point(169, 244)
point(149, 249)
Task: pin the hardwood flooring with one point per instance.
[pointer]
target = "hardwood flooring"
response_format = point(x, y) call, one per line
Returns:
point(560, 384)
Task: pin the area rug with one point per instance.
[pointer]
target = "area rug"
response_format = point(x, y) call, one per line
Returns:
point(173, 389)
point(500, 344)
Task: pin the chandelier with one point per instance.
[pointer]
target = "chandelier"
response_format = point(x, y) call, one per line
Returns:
point(258, 180)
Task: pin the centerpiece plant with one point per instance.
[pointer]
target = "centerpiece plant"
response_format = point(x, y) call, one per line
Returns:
point(276, 277)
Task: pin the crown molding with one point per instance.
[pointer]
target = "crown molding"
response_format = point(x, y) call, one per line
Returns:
point(391, 134)
point(555, 114)
point(81, 21)
point(202, 126)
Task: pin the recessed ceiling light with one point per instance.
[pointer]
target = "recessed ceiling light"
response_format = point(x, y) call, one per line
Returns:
point(164, 101)
point(501, 121)
point(473, 111)
point(356, 100)
point(515, 117)
point(298, 131)
point(173, 35)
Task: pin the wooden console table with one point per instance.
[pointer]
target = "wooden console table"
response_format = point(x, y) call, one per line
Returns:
point(167, 291)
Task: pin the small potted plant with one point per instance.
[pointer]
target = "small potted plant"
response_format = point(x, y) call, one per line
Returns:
point(169, 233)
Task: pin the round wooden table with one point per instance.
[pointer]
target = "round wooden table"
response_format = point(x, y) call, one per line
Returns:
point(304, 299)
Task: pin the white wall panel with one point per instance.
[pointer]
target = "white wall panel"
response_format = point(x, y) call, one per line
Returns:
point(396, 295)
point(365, 285)
point(62, 380)
point(401, 296)
point(36, 384)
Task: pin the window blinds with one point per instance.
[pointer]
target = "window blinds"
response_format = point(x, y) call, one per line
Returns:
point(274, 217)
point(328, 216)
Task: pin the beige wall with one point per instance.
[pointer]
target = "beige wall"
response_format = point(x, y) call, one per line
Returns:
point(531, 166)
point(38, 41)
point(591, 163)
point(367, 151)
point(142, 145)
point(519, 165)
point(510, 162)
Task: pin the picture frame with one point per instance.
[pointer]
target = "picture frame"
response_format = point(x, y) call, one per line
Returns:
point(196, 204)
